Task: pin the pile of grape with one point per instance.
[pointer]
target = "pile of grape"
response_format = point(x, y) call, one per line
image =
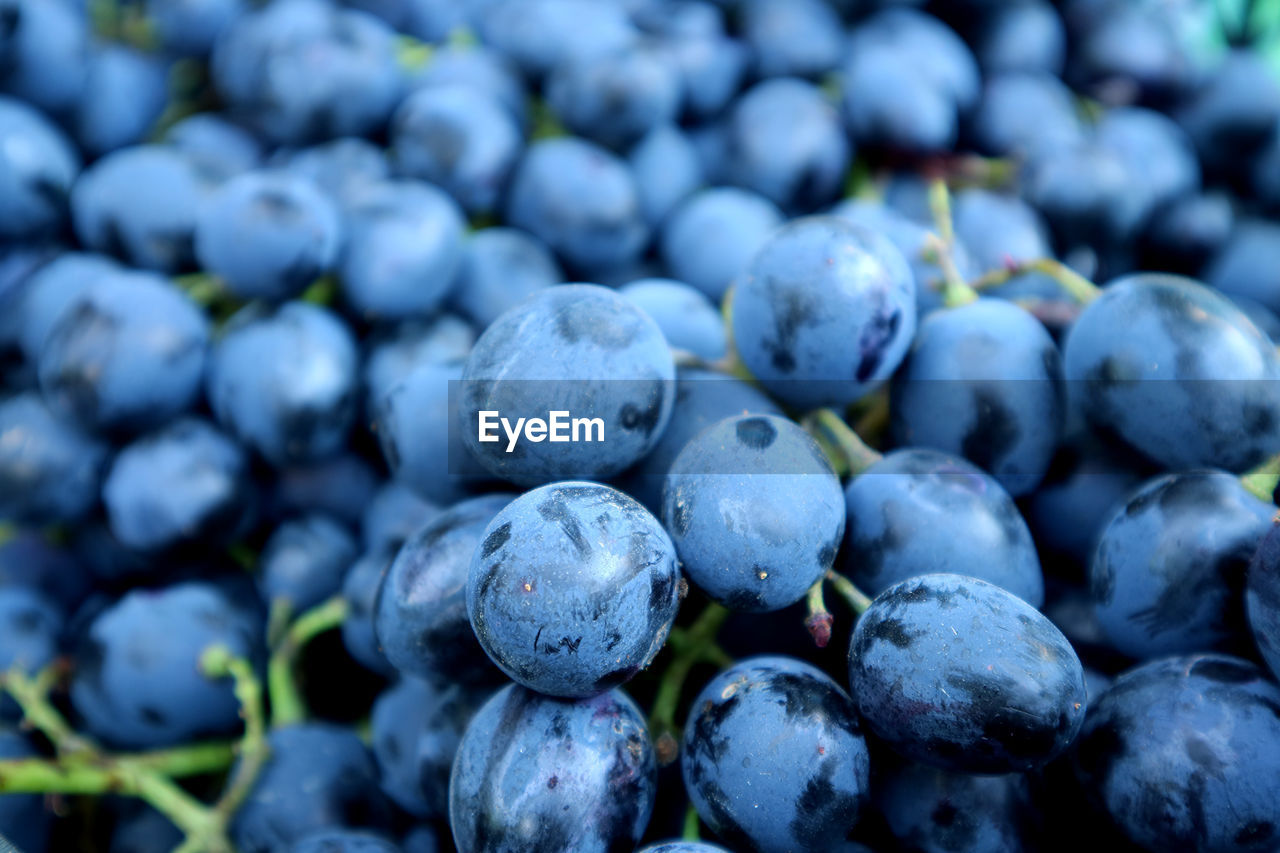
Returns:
point(677, 426)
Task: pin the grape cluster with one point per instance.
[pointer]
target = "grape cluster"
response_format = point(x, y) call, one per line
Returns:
point(639, 426)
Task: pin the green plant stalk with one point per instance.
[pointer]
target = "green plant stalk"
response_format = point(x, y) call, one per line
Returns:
point(1077, 286)
point(254, 751)
point(691, 829)
point(939, 246)
point(287, 704)
point(857, 599)
point(693, 645)
point(850, 446)
point(1262, 481)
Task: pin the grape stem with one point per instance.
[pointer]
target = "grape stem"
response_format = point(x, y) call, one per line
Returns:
point(939, 248)
point(691, 831)
point(82, 767)
point(819, 620)
point(287, 704)
point(1076, 285)
point(851, 451)
point(218, 662)
point(693, 645)
point(1262, 481)
point(857, 600)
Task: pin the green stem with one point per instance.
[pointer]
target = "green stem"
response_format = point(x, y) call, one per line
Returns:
point(856, 598)
point(955, 291)
point(322, 291)
point(691, 830)
point(851, 447)
point(819, 620)
point(179, 762)
point(940, 207)
point(218, 662)
point(691, 646)
point(32, 696)
point(413, 54)
point(1077, 286)
point(287, 704)
point(1262, 481)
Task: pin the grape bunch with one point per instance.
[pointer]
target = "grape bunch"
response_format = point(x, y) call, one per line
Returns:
point(639, 426)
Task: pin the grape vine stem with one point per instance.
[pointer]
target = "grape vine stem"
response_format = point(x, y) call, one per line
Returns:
point(287, 704)
point(1076, 285)
point(693, 645)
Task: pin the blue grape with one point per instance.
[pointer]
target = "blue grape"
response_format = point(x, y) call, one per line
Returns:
point(774, 758)
point(415, 729)
point(940, 55)
point(573, 589)
point(124, 95)
point(478, 67)
point(284, 382)
point(683, 847)
point(46, 48)
point(138, 682)
point(702, 398)
point(30, 560)
point(420, 615)
point(393, 515)
point(1146, 364)
point(891, 102)
point(304, 71)
point(1180, 754)
point(267, 235)
point(755, 512)
point(686, 317)
point(712, 67)
point(786, 143)
point(345, 168)
point(615, 98)
point(1241, 266)
point(1170, 565)
point(540, 34)
point(983, 381)
point(49, 466)
point(932, 810)
point(129, 354)
point(304, 561)
point(997, 229)
point(667, 170)
point(341, 486)
point(404, 243)
point(537, 775)
point(1232, 111)
point(1262, 598)
point(824, 313)
point(1027, 36)
point(919, 511)
point(960, 674)
point(191, 27)
point(711, 236)
point(392, 354)
point(1139, 49)
point(319, 776)
point(1028, 114)
point(1157, 156)
point(37, 168)
point(185, 482)
point(139, 204)
point(583, 349)
point(459, 138)
point(581, 201)
point(360, 591)
point(415, 420)
point(31, 628)
point(500, 268)
point(218, 146)
point(1185, 234)
point(789, 38)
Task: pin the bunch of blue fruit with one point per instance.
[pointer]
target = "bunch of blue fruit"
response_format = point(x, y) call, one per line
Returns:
point(639, 426)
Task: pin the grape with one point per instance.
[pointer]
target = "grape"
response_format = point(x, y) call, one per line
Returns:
point(420, 615)
point(754, 510)
point(1262, 598)
point(934, 810)
point(304, 561)
point(667, 171)
point(615, 98)
point(957, 673)
point(983, 381)
point(1181, 752)
point(1170, 565)
point(688, 320)
point(500, 268)
point(551, 353)
point(918, 512)
point(319, 777)
point(1144, 364)
point(344, 841)
point(711, 235)
point(268, 234)
point(535, 773)
point(34, 183)
point(824, 313)
point(573, 589)
point(774, 757)
point(49, 467)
